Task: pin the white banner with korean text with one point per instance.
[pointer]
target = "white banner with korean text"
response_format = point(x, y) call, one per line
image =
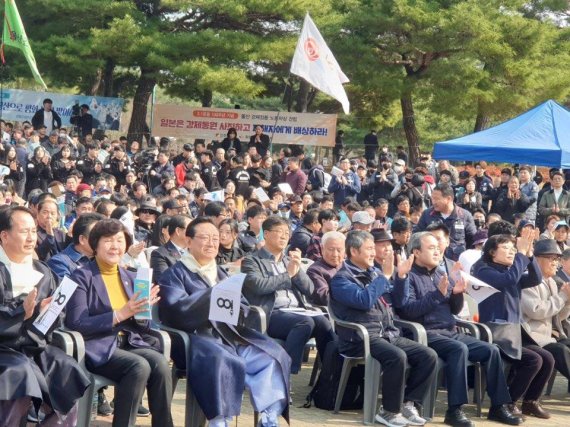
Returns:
point(212, 124)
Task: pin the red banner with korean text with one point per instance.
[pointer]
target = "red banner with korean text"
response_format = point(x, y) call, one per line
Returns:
point(212, 124)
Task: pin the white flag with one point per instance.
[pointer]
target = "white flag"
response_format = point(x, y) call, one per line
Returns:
point(314, 61)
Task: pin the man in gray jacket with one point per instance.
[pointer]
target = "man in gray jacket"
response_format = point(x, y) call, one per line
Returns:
point(543, 308)
point(276, 283)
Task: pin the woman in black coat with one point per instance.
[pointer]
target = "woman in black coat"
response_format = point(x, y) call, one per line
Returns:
point(62, 163)
point(511, 201)
point(232, 141)
point(38, 171)
point(229, 251)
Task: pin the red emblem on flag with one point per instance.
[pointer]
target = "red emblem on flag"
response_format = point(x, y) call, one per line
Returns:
point(311, 49)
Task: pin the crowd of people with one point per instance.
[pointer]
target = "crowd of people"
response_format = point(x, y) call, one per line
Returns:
point(371, 240)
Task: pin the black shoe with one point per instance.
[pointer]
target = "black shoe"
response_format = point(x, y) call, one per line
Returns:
point(457, 418)
point(502, 414)
point(143, 412)
point(103, 407)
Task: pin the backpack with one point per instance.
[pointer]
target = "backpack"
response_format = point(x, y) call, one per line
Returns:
point(324, 391)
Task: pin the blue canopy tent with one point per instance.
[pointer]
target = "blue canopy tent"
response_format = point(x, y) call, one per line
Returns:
point(539, 137)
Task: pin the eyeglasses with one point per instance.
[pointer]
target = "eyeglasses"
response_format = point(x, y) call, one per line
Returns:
point(206, 238)
point(551, 258)
point(147, 211)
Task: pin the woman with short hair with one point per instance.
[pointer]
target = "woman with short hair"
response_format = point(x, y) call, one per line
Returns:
point(117, 346)
point(509, 266)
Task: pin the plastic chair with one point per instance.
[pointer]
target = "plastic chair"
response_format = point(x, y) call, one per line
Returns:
point(257, 320)
point(193, 414)
point(64, 342)
point(550, 385)
point(372, 372)
point(468, 328)
point(98, 381)
point(372, 368)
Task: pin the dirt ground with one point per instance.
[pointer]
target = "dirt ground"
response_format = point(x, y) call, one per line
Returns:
point(558, 404)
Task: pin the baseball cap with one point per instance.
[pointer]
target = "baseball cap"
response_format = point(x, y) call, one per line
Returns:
point(400, 162)
point(480, 237)
point(296, 199)
point(362, 217)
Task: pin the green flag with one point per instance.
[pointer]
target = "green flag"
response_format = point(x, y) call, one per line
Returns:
point(15, 35)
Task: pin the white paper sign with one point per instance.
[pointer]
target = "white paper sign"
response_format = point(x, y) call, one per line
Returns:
point(225, 300)
point(4, 170)
point(128, 221)
point(261, 195)
point(336, 171)
point(285, 188)
point(477, 289)
point(60, 298)
point(215, 196)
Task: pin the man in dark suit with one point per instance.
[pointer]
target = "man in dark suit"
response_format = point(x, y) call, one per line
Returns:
point(46, 114)
point(166, 255)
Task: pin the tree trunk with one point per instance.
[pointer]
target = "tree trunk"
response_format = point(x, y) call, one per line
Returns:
point(303, 97)
point(138, 128)
point(108, 79)
point(97, 84)
point(206, 98)
point(481, 122)
point(410, 128)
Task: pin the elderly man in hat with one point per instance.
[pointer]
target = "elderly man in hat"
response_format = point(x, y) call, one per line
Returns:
point(323, 270)
point(384, 259)
point(543, 308)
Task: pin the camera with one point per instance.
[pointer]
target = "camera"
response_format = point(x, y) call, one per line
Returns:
point(143, 161)
point(76, 109)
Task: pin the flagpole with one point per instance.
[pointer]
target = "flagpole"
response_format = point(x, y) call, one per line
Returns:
point(278, 113)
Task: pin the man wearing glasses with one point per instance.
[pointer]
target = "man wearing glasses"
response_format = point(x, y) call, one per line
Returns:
point(276, 283)
point(543, 308)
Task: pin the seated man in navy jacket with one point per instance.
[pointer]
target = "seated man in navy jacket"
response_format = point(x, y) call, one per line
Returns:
point(223, 358)
point(360, 293)
point(432, 301)
point(276, 283)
